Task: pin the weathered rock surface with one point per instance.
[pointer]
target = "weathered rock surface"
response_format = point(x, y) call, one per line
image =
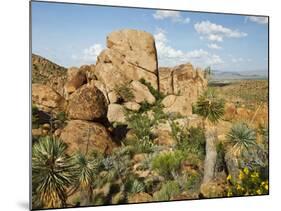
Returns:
point(83, 135)
point(182, 80)
point(87, 103)
point(76, 81)
point(141, 93)
point(130, 55)
point(46, 99)
point(116, 113)
point(177, 104)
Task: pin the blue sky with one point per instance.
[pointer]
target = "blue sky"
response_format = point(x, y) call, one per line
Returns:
point(72, 35)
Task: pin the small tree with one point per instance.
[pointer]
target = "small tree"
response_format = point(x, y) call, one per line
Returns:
point(211, 108)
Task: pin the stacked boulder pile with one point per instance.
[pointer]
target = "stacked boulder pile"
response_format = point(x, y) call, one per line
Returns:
point(91, 99)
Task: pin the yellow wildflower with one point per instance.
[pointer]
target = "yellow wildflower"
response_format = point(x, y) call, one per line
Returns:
point(241, 175)
point(258, 192)
point(228, 177)
point(246, 170)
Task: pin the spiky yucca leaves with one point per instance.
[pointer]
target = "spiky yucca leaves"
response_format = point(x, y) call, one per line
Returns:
point(209, 106)
point(241, 137)
point(86, 172)
point(52, 172)
point(86, 169)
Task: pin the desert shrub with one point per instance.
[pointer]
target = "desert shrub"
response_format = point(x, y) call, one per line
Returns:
point(157, 94)
point(167, 163)
point(134, 185)
point(167, 191)
point(141, 126)
point(62, 116)
point(124, 91)
point(140, 123)
point(248, 183)
point(190, 140)
point(210, 106)
point(241, 137)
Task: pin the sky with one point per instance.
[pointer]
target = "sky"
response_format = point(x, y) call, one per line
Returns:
point(73, 35)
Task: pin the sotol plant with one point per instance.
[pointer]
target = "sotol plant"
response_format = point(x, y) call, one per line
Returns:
point(241, 137)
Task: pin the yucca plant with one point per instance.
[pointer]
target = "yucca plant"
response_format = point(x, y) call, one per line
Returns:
point(86, 172)
point(53, 172)
point(209, 106)
point(241, 137)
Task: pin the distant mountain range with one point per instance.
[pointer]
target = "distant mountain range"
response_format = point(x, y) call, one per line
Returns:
point(228, 75)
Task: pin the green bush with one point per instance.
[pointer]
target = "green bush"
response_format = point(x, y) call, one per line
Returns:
point(167, 191)
point(157, 94)
point(167, 163)
point(190, 140)
point(124, 91)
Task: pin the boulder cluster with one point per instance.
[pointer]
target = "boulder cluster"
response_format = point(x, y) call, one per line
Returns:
point(96, 96)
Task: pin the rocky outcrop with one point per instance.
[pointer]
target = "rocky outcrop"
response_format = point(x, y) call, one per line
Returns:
point(46, 99)
point(130, 55)
point(182, 80)
point(87, 103)
point(48, 73)
point(86, 136)
point(184, 85)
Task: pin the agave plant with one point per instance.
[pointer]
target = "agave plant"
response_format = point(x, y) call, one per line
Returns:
point(210, 107)
point(241, 137)
point(52, 172)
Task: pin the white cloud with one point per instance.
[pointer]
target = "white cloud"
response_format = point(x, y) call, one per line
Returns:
point(91, 53)
point(216, 32)
point(259, 20)
point(88, 55)
point(169, 56)
point(214, 46)
point(175, 16)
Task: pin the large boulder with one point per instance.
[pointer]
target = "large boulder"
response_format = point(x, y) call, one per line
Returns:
point(87, 103)
point(182, 80)
point(116, 113)
point(133, 106)
point(83, 135)
point(75, 82)
point(177, 104)
point(141, 93)
point(130, 55)
point(46, 99)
